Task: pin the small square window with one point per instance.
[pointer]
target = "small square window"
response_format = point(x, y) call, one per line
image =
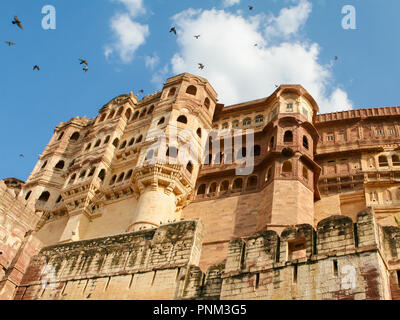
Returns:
point(379, 132)
point(289, 107)
point(391, 132)
point(330, 137)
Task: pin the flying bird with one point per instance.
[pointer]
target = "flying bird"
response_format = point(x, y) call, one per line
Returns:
point(22, 155)
point(83, 61)
point(256, 45)
point(17, 22)
point(251, 8)
point(336, 57)
point(201, 66)
point(173, 30)
point(198, 36)
point(9, 43)
point(85, 68)
point(36, 67)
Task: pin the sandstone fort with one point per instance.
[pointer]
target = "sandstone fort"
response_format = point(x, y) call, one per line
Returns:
point(109, 212)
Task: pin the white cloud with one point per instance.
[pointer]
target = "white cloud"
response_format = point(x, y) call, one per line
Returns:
point(130, 35)
point(152, 61)
point(230, 3)
point(290, 20)
point(135, 7)
point(241, 71)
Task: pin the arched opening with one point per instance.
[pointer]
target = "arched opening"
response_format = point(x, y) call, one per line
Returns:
point(129, 174)
point(111, 115)
point(28, 195)
point(136, 115)
point(123, 145)
point(172, 152)
point(212, 188)
point(107, 139)
point(162, 120)
point(191, 90)
point(131, 142)
point(198, 132)
point(252, 182)
point(224, 186)
point(116, 142)
point(189, 167)
point(237, 184)
point(246, 122)
point(59, 199)
point(395, 160)
point(256, 151)
point(138, 140)
point(201, 189)
point(288, 137)
point(88, 147)
point(74, 136)
point(61, 135)
point(235, 124)
point(305, 172)
point(83, 174)
point(143, 113)
point(112, 181)
point(121, 177)
point(97, 143)
point(151, 110)
point(287, 167)
point(259, 119)
point(207, 103)
point(182, 119)
point(73, 177)
point(383, 161)
point(120, 110)
point(60, 165)
point(305, 142)
point(271, 143)
point(44, 196)
point(171, 92)
point(128, 114)
point(102, 174)
point(103, 117)
point(44, 165)
point(91, 172)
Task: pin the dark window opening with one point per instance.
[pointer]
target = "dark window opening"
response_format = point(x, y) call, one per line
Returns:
point(288, 137)
point(335, 268)
point(201, 189)
point(191, 90)
point(60, 164)
point(305, 142)
point(182, 119)
point(44, 196)
point(28, 195)
point(74, 136)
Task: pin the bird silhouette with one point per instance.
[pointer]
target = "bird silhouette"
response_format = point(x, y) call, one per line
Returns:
point(17, 22)
point(201, 66)
point(85, 68)
point(173, 30)
point(36, 67)
point(251, 8)
point(256, 45)
point(83, 61)
point(336, 57)
point(9, 43)
point(22, 155)
point(198, 36)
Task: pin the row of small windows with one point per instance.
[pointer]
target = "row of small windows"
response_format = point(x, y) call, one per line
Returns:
point(83, 175)
point(192, 90)
point(121, 177)
point(128, 114)
point(74, 137)
point(383, 161)
point(237, 186)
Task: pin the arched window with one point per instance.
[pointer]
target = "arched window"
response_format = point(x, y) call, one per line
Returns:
point(224, 186)
point(103, 117)
point(44, 196)
point(123, 145)
point(151, 110)
point(60, 165)
point(138, 140)
point(237, 184)
point(189, 167)
point(305, 142)
point(88, 147)
point(121, 177)
point(131, 142)
point(172, 152)
point(136, 115)
point(91, 172)
point(128, 114)
point(268, 175)
point(120, 110)
point(198, 132)
point(111, 115)
point(143, 113)
point(97, 143)
point(116, 142)
point(73, 177)
point(191, 90)
point(182, 119)
point(201, 189)
point(207, 103)
point(74, 136)
point(83, 174)
point(44, 165)
point(102, 174)
point(61, 135)
point(395, 160)
point(162, 120)
point(129, 174)
point(59, 199)
point(259, 119)
point(287, 167)
point(246, 122)
point(171, 92)
point(28, 195)
point(252, 182)
point(235, 124)
point(383, 161)
point(288, 137)
point(305, 172)
point(271, 143)
point(113, 179)
point(107, 139)
point(212, 188)
point(256, 151)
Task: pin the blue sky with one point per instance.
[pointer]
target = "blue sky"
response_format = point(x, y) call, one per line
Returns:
point(128, 46)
